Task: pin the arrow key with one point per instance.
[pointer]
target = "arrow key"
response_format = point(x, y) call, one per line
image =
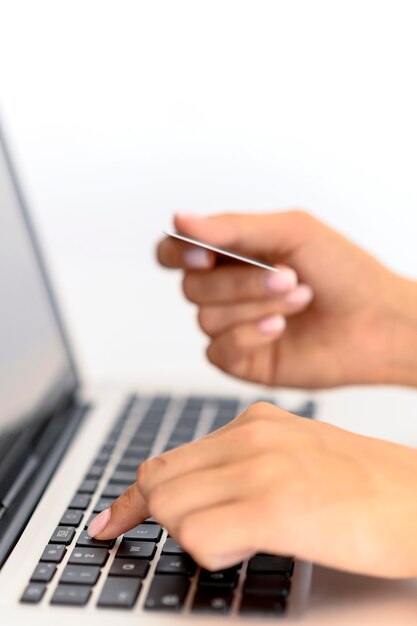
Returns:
point(176, 564)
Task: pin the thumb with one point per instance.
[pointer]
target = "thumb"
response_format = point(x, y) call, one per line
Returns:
point(251, 233)
point(125, 513)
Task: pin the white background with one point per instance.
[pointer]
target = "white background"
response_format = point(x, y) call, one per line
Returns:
point(121, 112)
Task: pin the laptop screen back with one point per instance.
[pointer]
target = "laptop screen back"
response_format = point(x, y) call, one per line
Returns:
point(36, 370)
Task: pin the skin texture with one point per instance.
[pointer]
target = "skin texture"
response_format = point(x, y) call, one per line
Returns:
point(359, 328)
point(326, 495)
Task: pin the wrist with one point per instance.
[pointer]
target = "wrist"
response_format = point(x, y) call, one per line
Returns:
point(402, 330)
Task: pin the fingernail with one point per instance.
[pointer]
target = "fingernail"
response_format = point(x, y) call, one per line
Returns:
point(303, 294)
point(280, 282)
point(99, 523)
point(196, 258)
point(272, 324)
point(222, 561)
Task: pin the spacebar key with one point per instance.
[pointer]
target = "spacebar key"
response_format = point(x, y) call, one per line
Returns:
point(167, 592)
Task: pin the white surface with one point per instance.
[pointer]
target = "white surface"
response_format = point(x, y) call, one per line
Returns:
point(122, 112)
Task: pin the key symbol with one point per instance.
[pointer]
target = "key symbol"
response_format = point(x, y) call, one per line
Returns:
point(127, 567)
point(170, 600)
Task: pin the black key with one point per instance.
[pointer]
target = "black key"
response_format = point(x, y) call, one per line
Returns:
point(53, 554)
point(123, 477)
point(145, 532)
point(170, 446)
point(79, 501)
point(86, 541)
point(136, 549)
point(213, 599)
point(88, 486)
point(267, 584)
point(177, 441)
point(80, 575)
point(167, 592)
point(182, 434)
point(102, 459)
point(159, 403)
point(73, 595)
point(120, 593)
point(128, 465)
point(268, 564)
point(141, 443)
point(63, 534)
point(171, 547)
point(103, 503)
point(43, 573)
point(262, 604)
point(33, 593)
point(114, 491)
point(95, 472)
point(224, 577)
point(88, 556)
point(176, 564)
point(72, 517)
point(134, 568)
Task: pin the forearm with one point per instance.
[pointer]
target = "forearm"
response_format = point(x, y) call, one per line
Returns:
point(402, 365)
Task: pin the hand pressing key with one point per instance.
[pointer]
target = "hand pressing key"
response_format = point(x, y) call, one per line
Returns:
point(273, 482)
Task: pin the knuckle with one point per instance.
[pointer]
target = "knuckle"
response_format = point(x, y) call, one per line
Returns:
point(303, 218)
point(259, 432)
point(216, 354)
point(258, 410)
point(190, 288)
point(211, 354)
point(207, 320)
point(156, 501)
point(262, 407)
point(190, 542)
point(141, 474)
point(145, 471)
point(236, 340)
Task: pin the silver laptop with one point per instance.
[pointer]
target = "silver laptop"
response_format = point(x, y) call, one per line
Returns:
point(66, 452)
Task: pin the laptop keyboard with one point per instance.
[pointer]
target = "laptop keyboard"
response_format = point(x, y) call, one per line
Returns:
point(147, 566)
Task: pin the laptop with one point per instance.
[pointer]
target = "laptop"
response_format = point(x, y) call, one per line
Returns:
point(65, 454)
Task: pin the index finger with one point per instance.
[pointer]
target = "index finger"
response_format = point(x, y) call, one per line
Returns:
point(126, 512)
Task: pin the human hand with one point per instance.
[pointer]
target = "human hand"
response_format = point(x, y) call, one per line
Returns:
point(273, 482)
point(360, 327)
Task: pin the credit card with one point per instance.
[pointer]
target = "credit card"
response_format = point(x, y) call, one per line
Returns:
point(227, 253)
